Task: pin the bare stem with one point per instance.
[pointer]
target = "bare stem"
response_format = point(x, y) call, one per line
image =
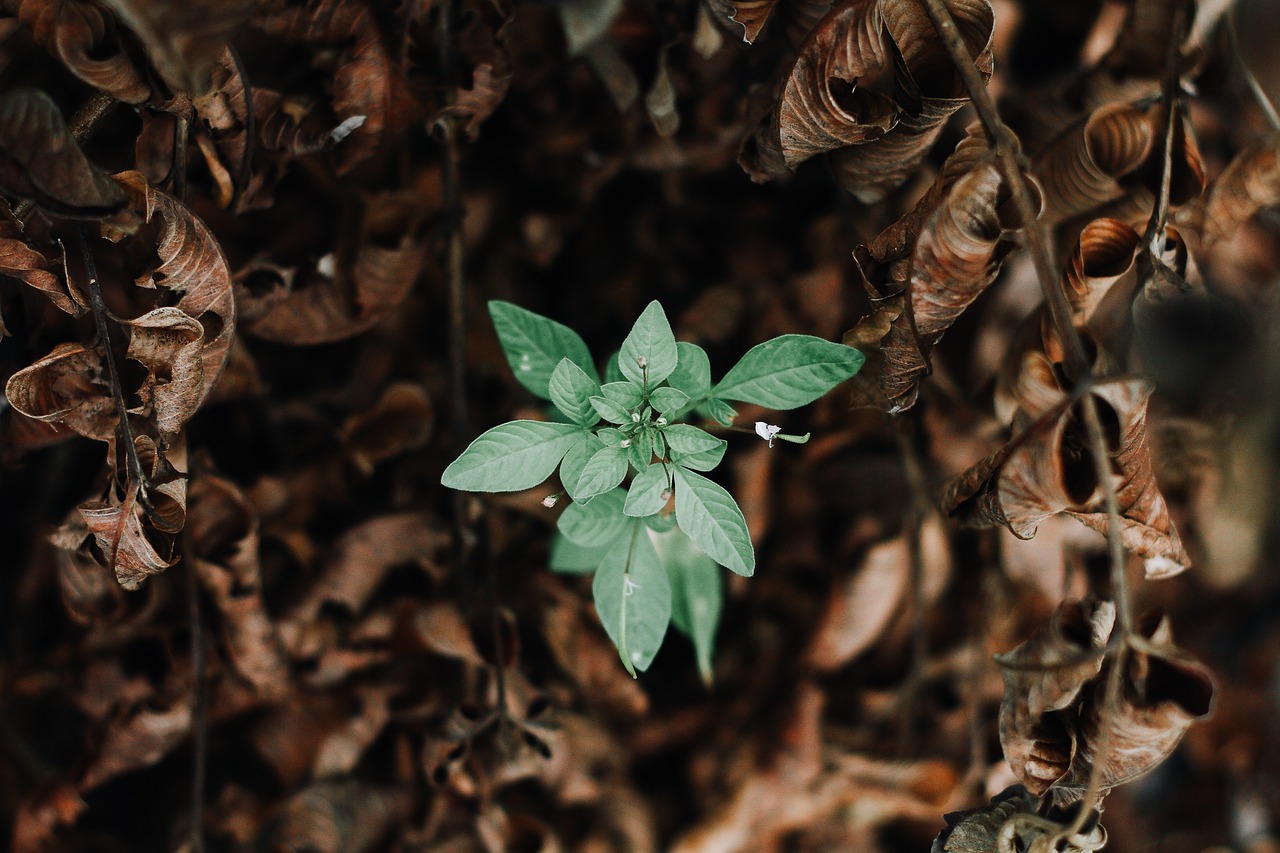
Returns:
point(199, 703)
point(1155, 234)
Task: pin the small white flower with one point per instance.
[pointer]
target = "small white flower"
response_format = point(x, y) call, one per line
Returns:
point(635, 417)
point(767, 431)
point(661, 421)
point(550, 500)
point(626, 442)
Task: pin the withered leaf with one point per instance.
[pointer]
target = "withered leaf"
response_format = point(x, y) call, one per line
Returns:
point(476, 103)
point(20, 260)
point(1250, 182)
point(400, 420)
point(184, 38)
point(138, 738)
point(40, 160)
point(1042, 678)
point(751, 15)
point(1081, 170)
point(82, 36)
point(69, 387)
point(341, 816)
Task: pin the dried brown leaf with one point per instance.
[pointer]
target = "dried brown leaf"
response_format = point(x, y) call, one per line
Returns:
point(83, 37)
point(224, 551)
point(751, 15)
point(89, 592)
point(41, 161)
point(587, 657)
point(138, 738)
point(473, 105)
point(401, 420)
point(68, 387)
point(19, 260)
point(341, 816)
point(1249, 183)
point(1043, 678)
point(1081, 170)
point(183, 39)
point(342, 301)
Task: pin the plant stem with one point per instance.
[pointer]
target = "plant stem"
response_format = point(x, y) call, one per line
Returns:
point(199, 703)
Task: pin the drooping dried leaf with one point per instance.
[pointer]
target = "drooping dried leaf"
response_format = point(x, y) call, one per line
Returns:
point(1081, 170)
point(1249, 183)
point(475, 104)
point(193, 267)
point(138, 738)
point(69, 387)
point(1043, 678)
point(867, 600)
point(1165, 691)
point(83, 37)
point(224, 552)
point(183, 39)
point(401, 420)
point(89, 592)
point(342, 749)
point(341, 301)
point(20, 260)
point(928, 90)
point(1186, 178)
point(41, 161)
point(1104, 254)
point(751, 15)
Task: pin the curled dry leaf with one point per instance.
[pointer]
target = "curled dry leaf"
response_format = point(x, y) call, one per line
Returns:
point(1186, 178)
point(137, 544)
point(1043, 677)
point(346, 816)
point(1081, 170)
point(400, 420)
point(183, 39)
point(68, 387)
point(475, 104)
point(341, 301)
point(1100, 281)
point(1165, 691)
point(82, 36)
point(89, 592)
point(1250, 182)
point(224, 552)
point(138, 738)
point(19, 260)
point(342, 749)
point(748, 14)
point(41, 161)
point(867, 601)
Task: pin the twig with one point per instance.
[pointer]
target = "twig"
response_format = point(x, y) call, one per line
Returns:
point(84, 123)
point(916, 513)
point(181, 134)
point(1005, 146)
point(1155, 234)
point(250, 129)
point(199, 704)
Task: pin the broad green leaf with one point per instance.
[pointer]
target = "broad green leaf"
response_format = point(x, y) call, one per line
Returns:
point(603, 472)
point(660, 523)
point(696, 594)
point(596, 524)
point(693, 371)
point(611, 437)
point(575, 460)
point(718, 410)
point(640, 451)
point(611, 411)
point(633, 598)
point(570, 558)
point(571, 389)
point(611, 371)
point(623, 393)
point(511, 457)
point(694, 448)
point(649, 491)
point(789, 371)
point(650, 340)
point(667, 399)
point(709, 516)
point(534, 345)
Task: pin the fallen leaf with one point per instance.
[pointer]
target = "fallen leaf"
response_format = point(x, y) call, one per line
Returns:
point(1081, 170)
point(183, 39)
point(81, 36)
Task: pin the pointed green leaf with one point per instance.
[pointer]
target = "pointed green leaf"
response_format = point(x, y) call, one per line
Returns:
point(611, 437)
point(693, 371)
point(706, 460)
point(709, 516)
point(696, 594)
point(719, 411)
point(595, 524)
point(603, 471)
point(511, 457)
point(649, 491)
point(640, 451)
point(651, 342)
point(575, 460)
point(660, 523)
point(667, 399)
point(570, 558)
point(633, 598)
point(534, 345)
point(571, 389)
point(611, 411)
point(789, 371)
point(683, 439)
point(623, 393)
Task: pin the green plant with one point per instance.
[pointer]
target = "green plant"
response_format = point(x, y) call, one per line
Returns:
point(650, 568)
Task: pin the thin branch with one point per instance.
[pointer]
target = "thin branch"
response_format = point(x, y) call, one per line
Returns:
point(916, 513)
point(1154, 238)
point(181, 136)
point(199, 705)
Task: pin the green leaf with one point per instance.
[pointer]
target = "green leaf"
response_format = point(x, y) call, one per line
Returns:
point(640, 451)
point(611, 411)
point(571, 389)
point(707, 460)
point(534, 345)
point(789, 371)
point(604, 471)
point(696, 594)
point(623, 393)
point(709, 516)
point(611, 371)
point(596, 524)
point(693, 371)
point(575, 460)
point(660, 523)
point(694, 448)
point(570, 558)
point(611, 437)
point(667, 399)
point(633, 599)
point(511, 457)
point(650, 339)
point(719, 410)
point(648, 493)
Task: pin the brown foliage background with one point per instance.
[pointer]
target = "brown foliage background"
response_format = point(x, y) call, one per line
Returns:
point(258, 613)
